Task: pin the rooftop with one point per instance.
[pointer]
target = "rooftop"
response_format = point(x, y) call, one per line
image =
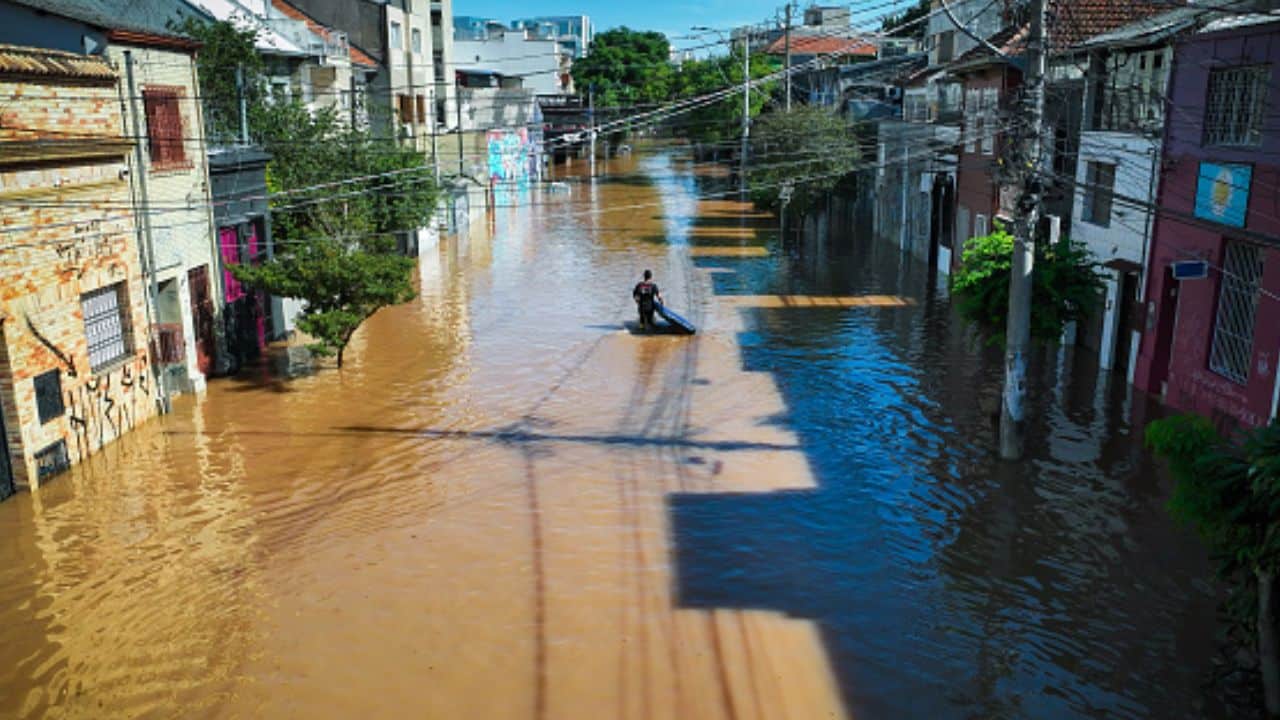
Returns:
point(17, 60)
point(824, 45)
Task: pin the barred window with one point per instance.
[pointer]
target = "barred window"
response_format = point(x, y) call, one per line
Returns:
point(48, 387)
point(106, 325)
point(990, 116)
point(1232, 352)
point(1235, 105)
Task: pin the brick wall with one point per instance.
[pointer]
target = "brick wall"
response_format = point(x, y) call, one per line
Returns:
point(66, 228)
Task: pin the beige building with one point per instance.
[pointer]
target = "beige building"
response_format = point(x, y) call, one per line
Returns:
point(75, 371)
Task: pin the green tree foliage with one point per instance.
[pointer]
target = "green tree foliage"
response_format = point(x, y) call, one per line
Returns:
point(901, 24)
point(339, 196)
point(720, 122)
point(225, 47)
point(625, 67)
point(1230, 493)
point(1066, 285)
point(810, 149)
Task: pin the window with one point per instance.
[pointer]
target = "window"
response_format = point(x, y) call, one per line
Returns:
point(106, 325)
point(421, 102)
point(946, 46)
point(164, 127)
point(396, 38)
point(972, 118)
point(980, 226)
point(415, 37)
point(1100, 183)
point(52, 460)
point(406, 108)
point(1129, 92)
point(49, 395)
point(1232, 352)
point(1234, 106)
point(990, 104)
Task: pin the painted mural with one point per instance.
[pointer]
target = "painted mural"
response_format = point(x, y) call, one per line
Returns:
point(1222, 193)
point(513, 157)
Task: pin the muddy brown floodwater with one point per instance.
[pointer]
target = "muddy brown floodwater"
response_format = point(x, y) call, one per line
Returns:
point(508, 506)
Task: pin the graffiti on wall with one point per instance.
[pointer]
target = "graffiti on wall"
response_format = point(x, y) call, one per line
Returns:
point(107, 405)
point(512, 156)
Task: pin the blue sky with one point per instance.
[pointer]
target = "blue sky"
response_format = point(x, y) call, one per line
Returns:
point(672, 17)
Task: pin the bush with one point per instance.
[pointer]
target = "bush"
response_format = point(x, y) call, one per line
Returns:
point(1066, 285)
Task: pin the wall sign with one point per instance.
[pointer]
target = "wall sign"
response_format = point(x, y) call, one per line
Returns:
point(1190, 270)
point(1222, 192)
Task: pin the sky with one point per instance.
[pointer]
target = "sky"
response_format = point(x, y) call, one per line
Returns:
point(674, 18)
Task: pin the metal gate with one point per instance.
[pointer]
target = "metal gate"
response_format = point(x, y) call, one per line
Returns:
point(6, 470)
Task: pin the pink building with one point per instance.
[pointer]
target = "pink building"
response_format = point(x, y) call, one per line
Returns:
point(1211, 345)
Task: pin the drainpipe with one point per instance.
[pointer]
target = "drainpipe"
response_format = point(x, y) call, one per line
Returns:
point(145, 239)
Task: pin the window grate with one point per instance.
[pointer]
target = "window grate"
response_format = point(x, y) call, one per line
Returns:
point(1234, 106)
point(105, 326)
point(1232, 352)
point(52, 460)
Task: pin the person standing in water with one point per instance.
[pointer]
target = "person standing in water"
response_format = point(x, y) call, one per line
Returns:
point(647, 297)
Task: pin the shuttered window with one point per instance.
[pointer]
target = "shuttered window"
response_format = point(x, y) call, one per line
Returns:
point(406, 108)
point(164, 127)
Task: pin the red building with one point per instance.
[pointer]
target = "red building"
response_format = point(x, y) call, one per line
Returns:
point(1211, 345)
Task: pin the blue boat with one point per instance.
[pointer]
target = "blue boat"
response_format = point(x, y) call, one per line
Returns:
point(675, 319)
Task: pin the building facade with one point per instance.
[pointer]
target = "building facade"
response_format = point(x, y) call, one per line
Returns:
point(539, 61)
point(1211, 342)
point(75, 367)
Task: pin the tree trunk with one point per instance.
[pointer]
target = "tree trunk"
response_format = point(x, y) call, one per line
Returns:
point(340, 351)
point(1268, 649)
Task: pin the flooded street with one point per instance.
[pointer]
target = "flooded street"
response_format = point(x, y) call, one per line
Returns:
point(508, 506)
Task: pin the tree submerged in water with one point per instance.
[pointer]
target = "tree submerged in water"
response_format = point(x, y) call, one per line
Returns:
point(1066, 285)
point(1229, 491)
point(809, 151)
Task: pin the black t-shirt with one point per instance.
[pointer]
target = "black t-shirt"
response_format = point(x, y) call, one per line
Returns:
point(645, 293)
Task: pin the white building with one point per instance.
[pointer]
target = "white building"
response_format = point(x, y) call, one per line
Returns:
point(1120, 152)
point(540, 63)
point(573, 32)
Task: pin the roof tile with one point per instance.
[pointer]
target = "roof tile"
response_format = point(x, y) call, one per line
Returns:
point(17, 60)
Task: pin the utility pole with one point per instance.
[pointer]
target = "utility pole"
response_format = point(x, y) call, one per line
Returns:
point(787, 65)
point(435, 124)
point(591, 122)
point(1026, 160)
point(746, 108)
point(146, 245)
point(457, 105)
point(244, 106)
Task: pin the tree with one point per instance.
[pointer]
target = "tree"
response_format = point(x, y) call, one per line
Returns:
point(225, 47)
point(908, 22)
point(809, 149)
point(1066, 285)
point(1230, 492)
point(625, 67)
point(721, 122)
point(339, 197)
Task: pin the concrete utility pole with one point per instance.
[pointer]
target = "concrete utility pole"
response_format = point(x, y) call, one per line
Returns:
point(1026, 160)
point(457, 106)
point(244, 106)
point(435, 125)
point(786, 67)
point(746, 108)
point(591, 123)
point(146, 245)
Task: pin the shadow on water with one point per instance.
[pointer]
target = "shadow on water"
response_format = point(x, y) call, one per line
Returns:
point(945, 582)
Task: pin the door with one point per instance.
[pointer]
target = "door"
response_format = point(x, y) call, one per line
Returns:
point(258, 313)
point(6, 469)
point(202, 317)
point(1166, 323)
point(1130, 311)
